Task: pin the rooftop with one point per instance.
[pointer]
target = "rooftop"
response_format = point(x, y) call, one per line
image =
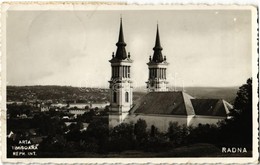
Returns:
point(179, 103)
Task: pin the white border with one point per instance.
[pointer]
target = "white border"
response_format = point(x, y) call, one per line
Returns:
point(79, 6)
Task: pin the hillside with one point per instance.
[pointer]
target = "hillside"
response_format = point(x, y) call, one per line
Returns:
point(56, 93)
point(226, 93)
point(69, 93)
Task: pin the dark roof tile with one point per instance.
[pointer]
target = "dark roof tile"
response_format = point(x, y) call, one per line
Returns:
point(209, 107)
point(165, 103)
point(179, 103)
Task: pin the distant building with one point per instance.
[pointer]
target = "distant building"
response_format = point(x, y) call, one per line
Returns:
point(85, 125)
point(65, 117)
point(58, 105)
point(159, 107)
point(44, 108)
point(14, 102)
point(22, 116)
point(79, 105)
point(101, 105)
point(78, 111)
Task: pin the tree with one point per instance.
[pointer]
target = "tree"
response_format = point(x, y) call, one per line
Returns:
point(140, 130)
point(122, 137)
point(238, 129)
point(174, 132)
point(156, 141)
point(56, 143)
point(203, 133)
point(75, 126)
point(243, 101)
point(98, 133)
point(154, 131)
point(14, 110)
point(87, 116)
point(48, 125)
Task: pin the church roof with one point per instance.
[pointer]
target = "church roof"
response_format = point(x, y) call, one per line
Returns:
point(211, 107)
point(157, 55)
point(164, 103)
point(179, 103)
point(121, 52)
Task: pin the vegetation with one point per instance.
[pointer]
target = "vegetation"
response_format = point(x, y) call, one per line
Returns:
point(15, 110)
point(240, 125)
point(61, 140)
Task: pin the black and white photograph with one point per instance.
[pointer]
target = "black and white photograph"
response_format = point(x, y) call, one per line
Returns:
point(128, 81)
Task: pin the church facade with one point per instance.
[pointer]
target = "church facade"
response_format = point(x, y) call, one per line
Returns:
point(159, 106)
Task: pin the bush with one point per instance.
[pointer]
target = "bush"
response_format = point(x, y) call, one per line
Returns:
point(156, 141)
point(122, 137)
point(204, 133)
point(140, 130)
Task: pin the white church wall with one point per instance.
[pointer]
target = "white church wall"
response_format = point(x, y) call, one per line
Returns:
point(161, 122)
point(196, 120)
point(114, 120)
point(189, 119)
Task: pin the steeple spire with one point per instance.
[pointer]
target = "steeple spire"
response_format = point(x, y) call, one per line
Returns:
point(120, 84)
point(157, 55)
point(157, 66)
point(121, 52)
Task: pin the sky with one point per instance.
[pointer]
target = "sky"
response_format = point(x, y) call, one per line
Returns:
point(203, 47)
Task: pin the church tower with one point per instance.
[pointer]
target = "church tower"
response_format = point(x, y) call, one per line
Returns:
point(157, 68)
point(121, 90)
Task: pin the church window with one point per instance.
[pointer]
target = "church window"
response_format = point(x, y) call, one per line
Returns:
point(128, 71)
point(113, 72)
point(163, 71)
point(127, 97)
point(114, 97)
point(124, 75)
point(117, 71)
point(122, 71)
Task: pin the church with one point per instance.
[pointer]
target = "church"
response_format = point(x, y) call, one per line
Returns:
point(159, 106)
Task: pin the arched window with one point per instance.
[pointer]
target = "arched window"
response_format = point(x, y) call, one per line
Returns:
point(127, 97)
point(114, 97)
